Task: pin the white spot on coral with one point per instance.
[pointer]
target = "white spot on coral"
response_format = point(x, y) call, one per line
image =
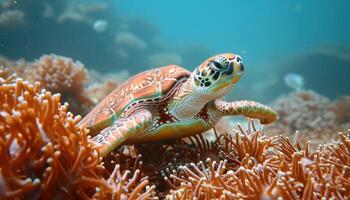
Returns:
point(14, 147)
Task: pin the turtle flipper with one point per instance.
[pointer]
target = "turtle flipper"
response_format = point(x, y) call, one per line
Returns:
point(249, 109)
point(120, 130)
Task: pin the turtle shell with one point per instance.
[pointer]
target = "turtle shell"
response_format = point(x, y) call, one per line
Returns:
point(150, 84)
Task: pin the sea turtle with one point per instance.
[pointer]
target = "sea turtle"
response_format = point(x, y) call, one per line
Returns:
point(171, 102)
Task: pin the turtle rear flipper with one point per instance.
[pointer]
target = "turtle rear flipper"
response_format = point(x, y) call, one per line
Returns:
point(250, 109)
point(113, 136)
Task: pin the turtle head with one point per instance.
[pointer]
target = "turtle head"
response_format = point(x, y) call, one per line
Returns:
point(218, 74)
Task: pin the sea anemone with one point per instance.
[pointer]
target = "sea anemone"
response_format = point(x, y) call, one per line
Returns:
point(285, 171)
point(126, 182)
point(246, 147)
point(44, 154)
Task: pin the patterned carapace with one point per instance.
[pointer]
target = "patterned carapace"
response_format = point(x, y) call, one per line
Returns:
point(171, 102)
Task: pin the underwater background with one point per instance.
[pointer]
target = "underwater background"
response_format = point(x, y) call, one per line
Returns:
point(296, 56)
point(310, 38)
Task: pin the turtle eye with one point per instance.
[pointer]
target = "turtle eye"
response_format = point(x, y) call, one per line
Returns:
point(218, 65)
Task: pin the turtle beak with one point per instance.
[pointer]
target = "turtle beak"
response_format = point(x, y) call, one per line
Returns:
point(238, 70)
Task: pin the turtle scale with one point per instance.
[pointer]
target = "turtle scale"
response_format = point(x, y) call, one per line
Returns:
point(150, 85)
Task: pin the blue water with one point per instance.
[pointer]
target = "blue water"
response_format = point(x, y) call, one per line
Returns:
point(311, 38)
point(258, 30)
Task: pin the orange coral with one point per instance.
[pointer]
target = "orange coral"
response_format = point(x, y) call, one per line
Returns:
point(122, 186)
point(247, 147)
point(82, 89)
point(286, 172)
point(63, 75)
point(199, 181)
point(44, 154)
point(122, 163)
point(59, 74)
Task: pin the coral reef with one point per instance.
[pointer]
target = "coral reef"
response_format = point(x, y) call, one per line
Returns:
point(6, 76)
point(62, 75)
point(44, 154)
point(4, 62)
point(47, 154)
point(304, 110)
point(312, 115)
point(58, 73)
point(170, 155)
point(269, 167)
point(15, 66)
point(81, 88)
point(341, 108)
point(122, 186)
point(285, 171)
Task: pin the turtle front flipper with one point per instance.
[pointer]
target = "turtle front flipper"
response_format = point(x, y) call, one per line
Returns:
point(113, 136)
point(249, 109)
